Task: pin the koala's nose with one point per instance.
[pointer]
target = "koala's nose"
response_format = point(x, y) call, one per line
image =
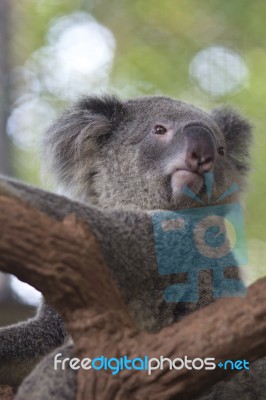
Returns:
point(199, 149)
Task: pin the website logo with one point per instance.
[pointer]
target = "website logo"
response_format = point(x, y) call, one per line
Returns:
point(145, 363)
point(198, 239)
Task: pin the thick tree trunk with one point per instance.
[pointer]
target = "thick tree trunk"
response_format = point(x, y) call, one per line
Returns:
point(47, 254)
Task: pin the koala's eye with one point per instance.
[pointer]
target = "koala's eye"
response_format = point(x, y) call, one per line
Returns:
point(159, 130)
point(221, 151)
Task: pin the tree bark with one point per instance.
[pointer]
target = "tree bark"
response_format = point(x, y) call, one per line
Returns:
point(49, 254)
point(6, 393)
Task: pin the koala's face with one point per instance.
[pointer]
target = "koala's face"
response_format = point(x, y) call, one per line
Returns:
point(143, 153)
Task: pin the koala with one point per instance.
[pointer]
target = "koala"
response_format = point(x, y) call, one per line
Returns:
point(119, 162)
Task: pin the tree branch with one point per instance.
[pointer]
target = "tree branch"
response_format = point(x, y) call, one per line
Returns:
point(47, 253)
point(6, 393)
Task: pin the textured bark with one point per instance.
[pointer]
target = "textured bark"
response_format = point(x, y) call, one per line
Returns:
point(49, 254)
point(6, 393)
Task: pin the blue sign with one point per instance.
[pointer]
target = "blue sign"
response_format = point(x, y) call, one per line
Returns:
point(196, 239)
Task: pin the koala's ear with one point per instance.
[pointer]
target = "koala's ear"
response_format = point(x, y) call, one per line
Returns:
point(73, 139)
point(238, 135)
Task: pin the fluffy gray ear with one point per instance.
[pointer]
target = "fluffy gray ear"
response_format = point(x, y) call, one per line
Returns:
point(238, 136)
point(75, 136)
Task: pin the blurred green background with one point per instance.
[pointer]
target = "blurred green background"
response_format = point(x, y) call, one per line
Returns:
point(205, 52)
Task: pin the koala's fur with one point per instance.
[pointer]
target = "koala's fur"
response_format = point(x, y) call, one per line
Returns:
point(101, 150)
point(104, 153)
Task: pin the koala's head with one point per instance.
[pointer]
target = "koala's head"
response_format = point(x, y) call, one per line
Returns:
point(143, 152)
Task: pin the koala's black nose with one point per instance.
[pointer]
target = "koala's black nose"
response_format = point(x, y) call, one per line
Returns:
point(199, 149)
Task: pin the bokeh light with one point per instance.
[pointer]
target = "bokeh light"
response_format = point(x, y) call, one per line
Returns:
point(25, 293)
point(218, 70)
point(77, 59)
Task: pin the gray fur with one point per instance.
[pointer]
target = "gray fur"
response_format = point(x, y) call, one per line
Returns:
point(246, 385)
point(103, 152)
point(62, 386)
point(20, 345)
